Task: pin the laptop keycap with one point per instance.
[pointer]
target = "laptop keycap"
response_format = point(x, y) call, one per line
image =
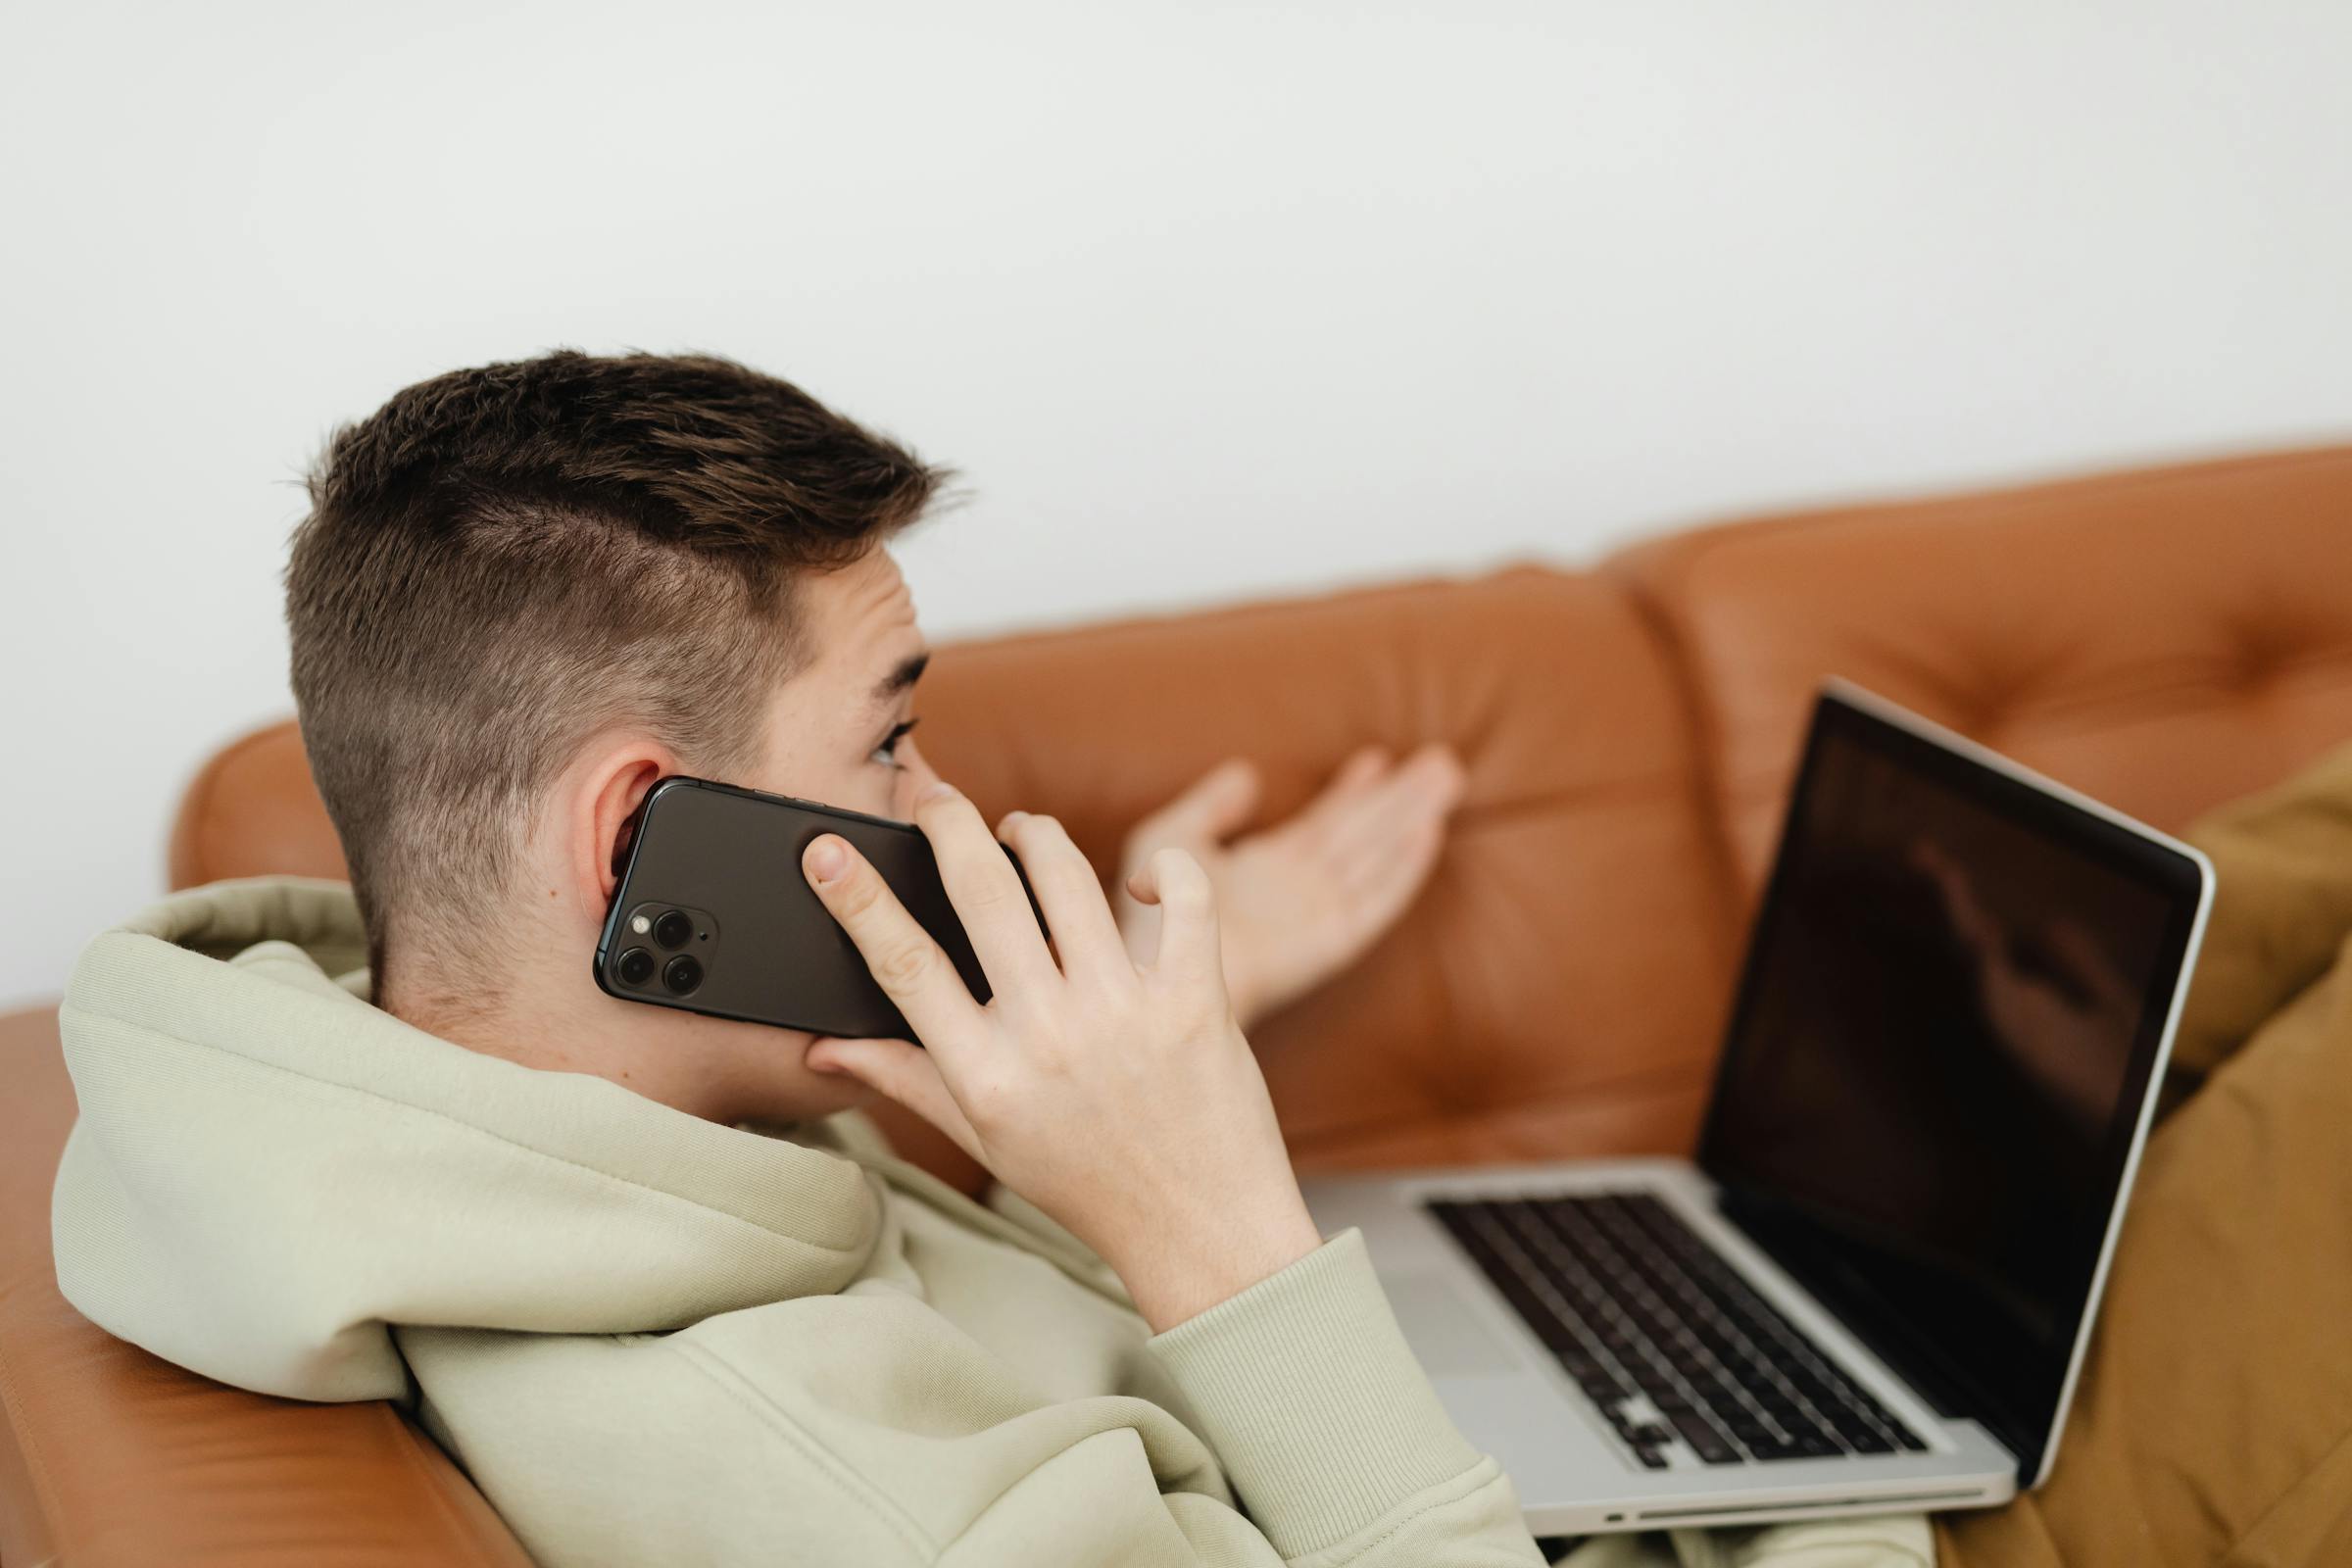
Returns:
point(1632, 1301)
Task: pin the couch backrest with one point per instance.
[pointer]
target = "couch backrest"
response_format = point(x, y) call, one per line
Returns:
point(2163, 639)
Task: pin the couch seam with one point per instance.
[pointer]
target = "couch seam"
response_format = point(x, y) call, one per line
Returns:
point(1706, 785)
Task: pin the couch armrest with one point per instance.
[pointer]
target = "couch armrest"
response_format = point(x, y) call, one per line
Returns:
point(110, 1455)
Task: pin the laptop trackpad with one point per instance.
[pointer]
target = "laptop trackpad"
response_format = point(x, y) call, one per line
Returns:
point(1444, 1330)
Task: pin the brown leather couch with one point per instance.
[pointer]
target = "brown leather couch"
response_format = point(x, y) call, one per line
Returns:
point(2164, 639)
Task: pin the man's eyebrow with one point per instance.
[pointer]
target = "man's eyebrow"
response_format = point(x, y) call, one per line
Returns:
point(910, 670)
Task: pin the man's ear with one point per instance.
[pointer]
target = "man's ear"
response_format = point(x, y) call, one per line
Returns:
point(613, 784)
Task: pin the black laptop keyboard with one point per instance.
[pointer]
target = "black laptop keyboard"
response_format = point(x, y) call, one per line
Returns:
point(1640, 1310)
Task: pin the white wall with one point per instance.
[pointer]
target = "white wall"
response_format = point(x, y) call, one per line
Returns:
point(1205, 301)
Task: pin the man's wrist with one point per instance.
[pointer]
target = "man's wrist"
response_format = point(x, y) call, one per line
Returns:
point(1173, 1285)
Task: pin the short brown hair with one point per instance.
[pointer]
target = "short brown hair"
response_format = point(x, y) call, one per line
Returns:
point(499, 562)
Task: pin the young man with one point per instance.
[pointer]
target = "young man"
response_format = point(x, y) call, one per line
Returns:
point(632, 1266)
point(666, 1306)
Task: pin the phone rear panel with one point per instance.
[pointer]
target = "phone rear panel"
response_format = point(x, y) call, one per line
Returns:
point(756, 943)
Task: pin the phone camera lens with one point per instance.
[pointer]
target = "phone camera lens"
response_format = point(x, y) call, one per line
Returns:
point(683, 974)
point(635, 967)
point(674, 929)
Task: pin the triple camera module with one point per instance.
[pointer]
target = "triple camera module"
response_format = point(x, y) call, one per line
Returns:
point(672, 931)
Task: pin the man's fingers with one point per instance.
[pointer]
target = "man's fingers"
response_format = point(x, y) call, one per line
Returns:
point(1357, 777)
point(1085, 935)
point(1381, 885)
point(1188, 915)
point(900, 1071)
point(905, 961)
point(1424, 788)
point(1363, 765)
point(1214, 807)
point(987, 893)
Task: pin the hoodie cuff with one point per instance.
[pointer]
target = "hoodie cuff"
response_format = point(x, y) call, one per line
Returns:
point(1308, 1391)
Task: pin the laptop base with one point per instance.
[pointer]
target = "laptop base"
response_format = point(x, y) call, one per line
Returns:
point(1577, 1473)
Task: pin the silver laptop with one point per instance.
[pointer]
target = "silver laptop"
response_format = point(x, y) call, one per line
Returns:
point(1871, 1289)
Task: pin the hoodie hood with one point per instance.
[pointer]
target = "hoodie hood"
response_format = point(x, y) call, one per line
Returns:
point(268, 1170)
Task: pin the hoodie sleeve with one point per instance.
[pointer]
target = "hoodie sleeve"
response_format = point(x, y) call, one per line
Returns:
point(1329, 1433)
point(863, 1428)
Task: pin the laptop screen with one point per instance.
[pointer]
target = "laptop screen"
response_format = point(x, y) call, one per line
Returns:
point(1957, 996)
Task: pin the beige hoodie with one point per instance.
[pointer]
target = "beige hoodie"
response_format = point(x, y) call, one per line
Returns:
point(651, 1338)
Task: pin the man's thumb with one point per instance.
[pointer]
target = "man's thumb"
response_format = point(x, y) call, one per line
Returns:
point(1217, 804)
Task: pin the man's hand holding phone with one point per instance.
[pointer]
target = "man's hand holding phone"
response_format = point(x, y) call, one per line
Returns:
point(1116, 1092)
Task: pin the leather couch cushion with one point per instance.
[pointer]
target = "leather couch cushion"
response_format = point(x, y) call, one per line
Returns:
point(2164, 640)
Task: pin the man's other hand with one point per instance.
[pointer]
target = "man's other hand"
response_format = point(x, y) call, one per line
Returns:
point(1300, 900)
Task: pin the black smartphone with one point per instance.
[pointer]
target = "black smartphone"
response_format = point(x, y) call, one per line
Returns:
point(713, 914)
